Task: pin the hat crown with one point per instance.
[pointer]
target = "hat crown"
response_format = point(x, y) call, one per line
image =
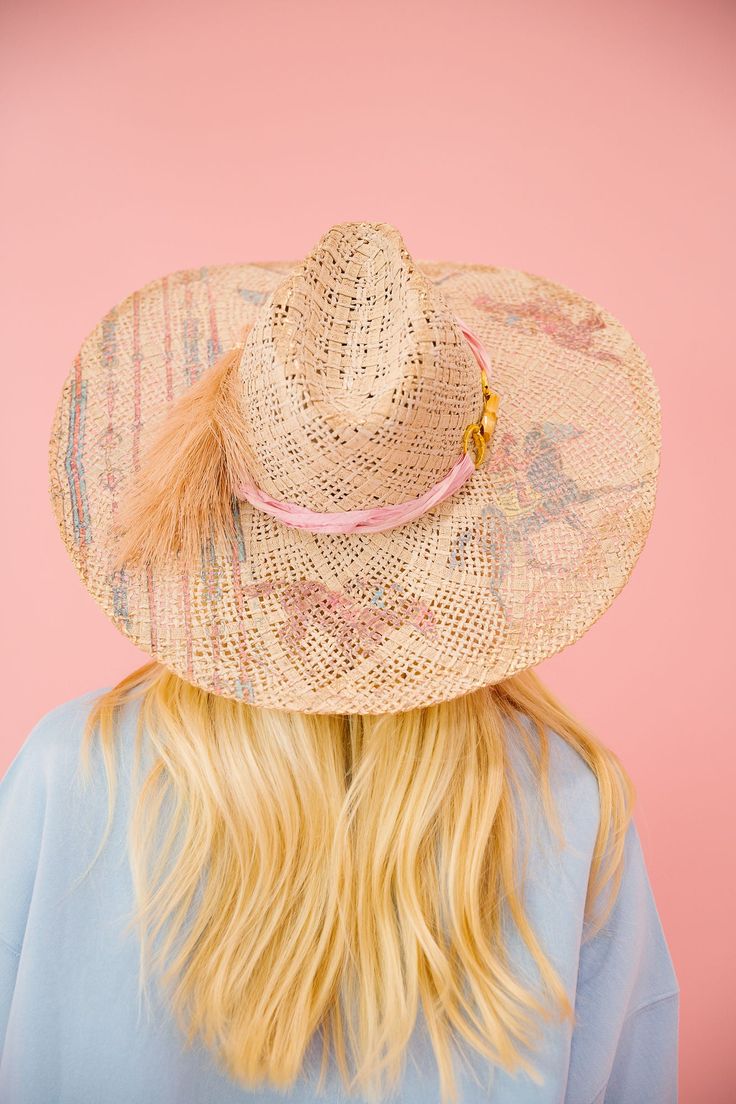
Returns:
point(356, 379)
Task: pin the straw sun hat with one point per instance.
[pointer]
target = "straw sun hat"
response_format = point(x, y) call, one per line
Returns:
point(358, 483)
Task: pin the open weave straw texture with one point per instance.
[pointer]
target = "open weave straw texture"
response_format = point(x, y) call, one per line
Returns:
point(355, 384)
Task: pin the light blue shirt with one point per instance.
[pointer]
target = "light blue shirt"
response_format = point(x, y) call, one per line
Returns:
point(70, 1028)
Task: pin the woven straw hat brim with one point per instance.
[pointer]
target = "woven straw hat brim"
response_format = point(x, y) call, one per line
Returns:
point(515, 566)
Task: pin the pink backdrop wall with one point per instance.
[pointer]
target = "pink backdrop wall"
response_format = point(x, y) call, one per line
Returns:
point(589, 142)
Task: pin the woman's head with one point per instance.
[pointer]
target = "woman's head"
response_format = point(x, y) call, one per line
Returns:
point(298, 873)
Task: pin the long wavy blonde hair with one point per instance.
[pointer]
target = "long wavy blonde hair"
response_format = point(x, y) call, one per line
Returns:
point(302, 872)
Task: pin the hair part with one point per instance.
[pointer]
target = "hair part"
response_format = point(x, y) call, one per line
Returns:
point(296, 873)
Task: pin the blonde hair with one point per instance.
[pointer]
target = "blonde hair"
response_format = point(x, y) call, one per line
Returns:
point(299, 872)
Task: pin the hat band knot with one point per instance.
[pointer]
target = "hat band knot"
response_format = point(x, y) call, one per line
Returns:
point(379, 518)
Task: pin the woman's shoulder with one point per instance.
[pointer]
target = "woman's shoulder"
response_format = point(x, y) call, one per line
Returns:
point(53, 742)
point(48, 768)
point(572, 782)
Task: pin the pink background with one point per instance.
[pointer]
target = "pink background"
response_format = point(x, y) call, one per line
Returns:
point(588, 142)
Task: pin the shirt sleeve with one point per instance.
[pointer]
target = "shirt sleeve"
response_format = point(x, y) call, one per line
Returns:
point(35, 797)
point(625, 1041)
point(22, 815)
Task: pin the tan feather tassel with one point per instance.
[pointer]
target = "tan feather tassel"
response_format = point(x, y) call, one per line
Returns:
point(182, 493)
